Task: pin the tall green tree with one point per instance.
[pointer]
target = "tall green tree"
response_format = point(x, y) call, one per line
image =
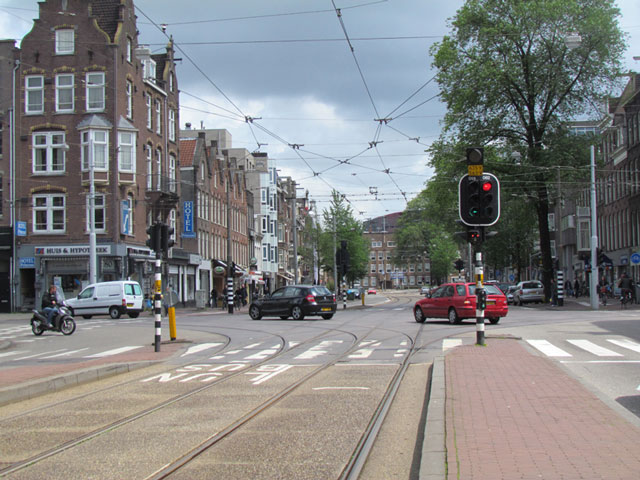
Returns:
point(340, 224)
point(507, 74)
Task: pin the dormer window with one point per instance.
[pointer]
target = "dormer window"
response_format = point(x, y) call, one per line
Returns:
point(149, 70)
point(65, 41)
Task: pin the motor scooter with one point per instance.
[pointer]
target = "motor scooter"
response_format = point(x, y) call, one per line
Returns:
point(62, 321)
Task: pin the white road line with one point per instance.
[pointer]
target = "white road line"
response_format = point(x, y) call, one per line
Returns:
point(318, 350)
point(449, 343)
point(8, 354)
point(253, 345)
point(199, 348)
point(593, 348)
point(262, 354)
point(625, 344)
point(548, 349)
point(115, 351)
point(66, 354)
point(340, 388)
point(39, 354)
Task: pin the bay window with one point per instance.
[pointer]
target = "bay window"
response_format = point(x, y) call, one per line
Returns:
point(95, 142)
point(126, 152)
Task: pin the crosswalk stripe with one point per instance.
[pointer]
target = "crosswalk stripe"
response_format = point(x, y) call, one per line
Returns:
point(449, 343)
point(115, 351)
point(548, 349)
point(625, 344)
point(593, 348)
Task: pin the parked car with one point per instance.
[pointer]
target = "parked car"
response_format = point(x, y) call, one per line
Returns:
point(528, 291)
point(108, 298)
point(372, 291)
point(424, 290)
point(457, 301)
point(509, 293)
point(296, 301)
point(354, 291)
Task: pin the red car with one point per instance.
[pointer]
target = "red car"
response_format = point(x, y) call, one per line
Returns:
point(456, 301)
point(372, 291)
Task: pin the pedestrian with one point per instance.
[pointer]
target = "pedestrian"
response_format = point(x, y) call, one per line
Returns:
point(214, 297)
point(626, 285)
point(576, 288)
point(603, 287)
point(568, 288)
point(243, 295)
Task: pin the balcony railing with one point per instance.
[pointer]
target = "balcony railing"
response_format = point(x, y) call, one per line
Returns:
point(162, 183)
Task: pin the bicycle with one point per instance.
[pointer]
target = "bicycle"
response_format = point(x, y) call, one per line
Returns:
point(603, 295)
point(625, 298)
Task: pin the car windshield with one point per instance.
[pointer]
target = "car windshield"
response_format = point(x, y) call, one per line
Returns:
point(491, 290)
point(319, 290)
point(532, 285)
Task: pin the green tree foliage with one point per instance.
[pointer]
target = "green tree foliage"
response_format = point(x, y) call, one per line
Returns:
point(339, 215)
point(508, 77)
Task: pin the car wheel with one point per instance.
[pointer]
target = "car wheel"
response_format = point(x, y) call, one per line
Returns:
point(453, 316)
point(418, 315)
point(284, 317)
point(254, 313)
point(114, 312)
point(494, 320)
point(328, 316)
point(297, 313)
point(87, 316)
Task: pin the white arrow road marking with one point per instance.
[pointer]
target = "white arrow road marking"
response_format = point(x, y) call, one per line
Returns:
point(66, 354)
point(115, 351)
point(593, 348)
point(318, 350)
point(626, 344)
point(548, 349)
point(449, 343)
point(199, 348)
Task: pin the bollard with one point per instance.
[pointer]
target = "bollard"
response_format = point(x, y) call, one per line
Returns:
point(172, 323)
point(344, 300)
point(362, 297)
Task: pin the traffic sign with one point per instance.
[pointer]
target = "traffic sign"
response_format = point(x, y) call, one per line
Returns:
point(635, 258)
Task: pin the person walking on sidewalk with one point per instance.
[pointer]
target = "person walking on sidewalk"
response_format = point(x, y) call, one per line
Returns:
point(576, 288)
point(214, 297)
point(603, 287)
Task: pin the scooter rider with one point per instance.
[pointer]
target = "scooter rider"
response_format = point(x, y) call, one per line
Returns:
point(50, 304)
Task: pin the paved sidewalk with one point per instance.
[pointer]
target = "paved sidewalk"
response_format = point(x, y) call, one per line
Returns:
point(511, 414)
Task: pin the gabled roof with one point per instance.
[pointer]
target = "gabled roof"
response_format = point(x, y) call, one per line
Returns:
point(107, 13)
point(187, 151)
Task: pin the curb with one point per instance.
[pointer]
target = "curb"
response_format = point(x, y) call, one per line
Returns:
point(35, 388)
point(433, 460)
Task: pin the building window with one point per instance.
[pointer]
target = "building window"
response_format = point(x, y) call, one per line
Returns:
point(172, 125)
point(95, 91)
point(100, 141)
point(64, 93)
point(129, 50)
point(126, 152)
point(34, 94)
point(172, 175)
point(126, 219)
point(48, 152)
point(129, 91)
point(158, 118)
point(149, 167)
point(149, 113)
point(64, 41)
point(48, 213)
point(158, 169)
point(99, 209)
point(265, 253)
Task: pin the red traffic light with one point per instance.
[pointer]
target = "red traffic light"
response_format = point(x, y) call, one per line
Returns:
point(486, 186)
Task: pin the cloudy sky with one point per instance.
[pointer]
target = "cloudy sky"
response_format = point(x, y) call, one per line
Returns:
point(355, 116)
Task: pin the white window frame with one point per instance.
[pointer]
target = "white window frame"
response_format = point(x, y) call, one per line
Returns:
point(149, 150)
point(129, 49)
point(95, 82)
point(50, 150)
point(65, 87)
point(172, 125)
point(34, 94)
point(173, 184)
point(129, 93)
point(50, 206)
point(158, 117)
point(149, 112)
point(65, 41)
point(158, 169)
point(100, 139)
point(127, 150)
point(99, 207)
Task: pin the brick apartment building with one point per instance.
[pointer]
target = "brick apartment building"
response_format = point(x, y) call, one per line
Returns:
point(87, 94)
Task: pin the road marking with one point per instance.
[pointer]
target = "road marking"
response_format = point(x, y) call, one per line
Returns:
point(593, 348)
point(401, 308)
point(40, 354)
point(66, 354)
point(265, 372)
point(449, 343)
point(115, 351)
point(293, 344)
point(626, 344)
point(548, 349)
point(318, 350)
point(365, 352)
point(253, 345)
point(340, 388)
point(199, 348)
point(8, 354)
point(261, 355)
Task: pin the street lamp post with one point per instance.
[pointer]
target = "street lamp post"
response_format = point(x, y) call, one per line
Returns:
point(593, 283)
point(92, 215)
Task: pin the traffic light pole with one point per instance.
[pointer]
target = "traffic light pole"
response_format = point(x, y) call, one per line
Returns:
point(481, 298)
point(157, 301)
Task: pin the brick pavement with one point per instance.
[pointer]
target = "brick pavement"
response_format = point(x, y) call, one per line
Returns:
point(514, 415)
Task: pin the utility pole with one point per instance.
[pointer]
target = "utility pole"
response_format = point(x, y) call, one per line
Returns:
point(92, 215)
point(295, 234)
point(335, 250)
point(229, 244)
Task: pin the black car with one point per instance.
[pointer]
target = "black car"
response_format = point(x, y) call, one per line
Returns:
point(295, 301)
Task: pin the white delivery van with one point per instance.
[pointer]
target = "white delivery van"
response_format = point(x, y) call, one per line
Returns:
point(108, 298)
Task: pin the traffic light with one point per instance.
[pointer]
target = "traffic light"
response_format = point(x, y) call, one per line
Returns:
point(342, 258)
point(166, 241)
point(474, 237)
point(153, 242)
point(479, 200)
point(475, 161)
point(458, 264)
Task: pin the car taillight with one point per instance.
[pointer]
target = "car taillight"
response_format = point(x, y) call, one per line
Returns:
point(124, 302)
point(310, 298)
point(334, 298)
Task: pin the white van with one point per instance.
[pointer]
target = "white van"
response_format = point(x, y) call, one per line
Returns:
point(112, 298)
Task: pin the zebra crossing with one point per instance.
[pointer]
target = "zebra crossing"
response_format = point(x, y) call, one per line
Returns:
point(606, 350)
